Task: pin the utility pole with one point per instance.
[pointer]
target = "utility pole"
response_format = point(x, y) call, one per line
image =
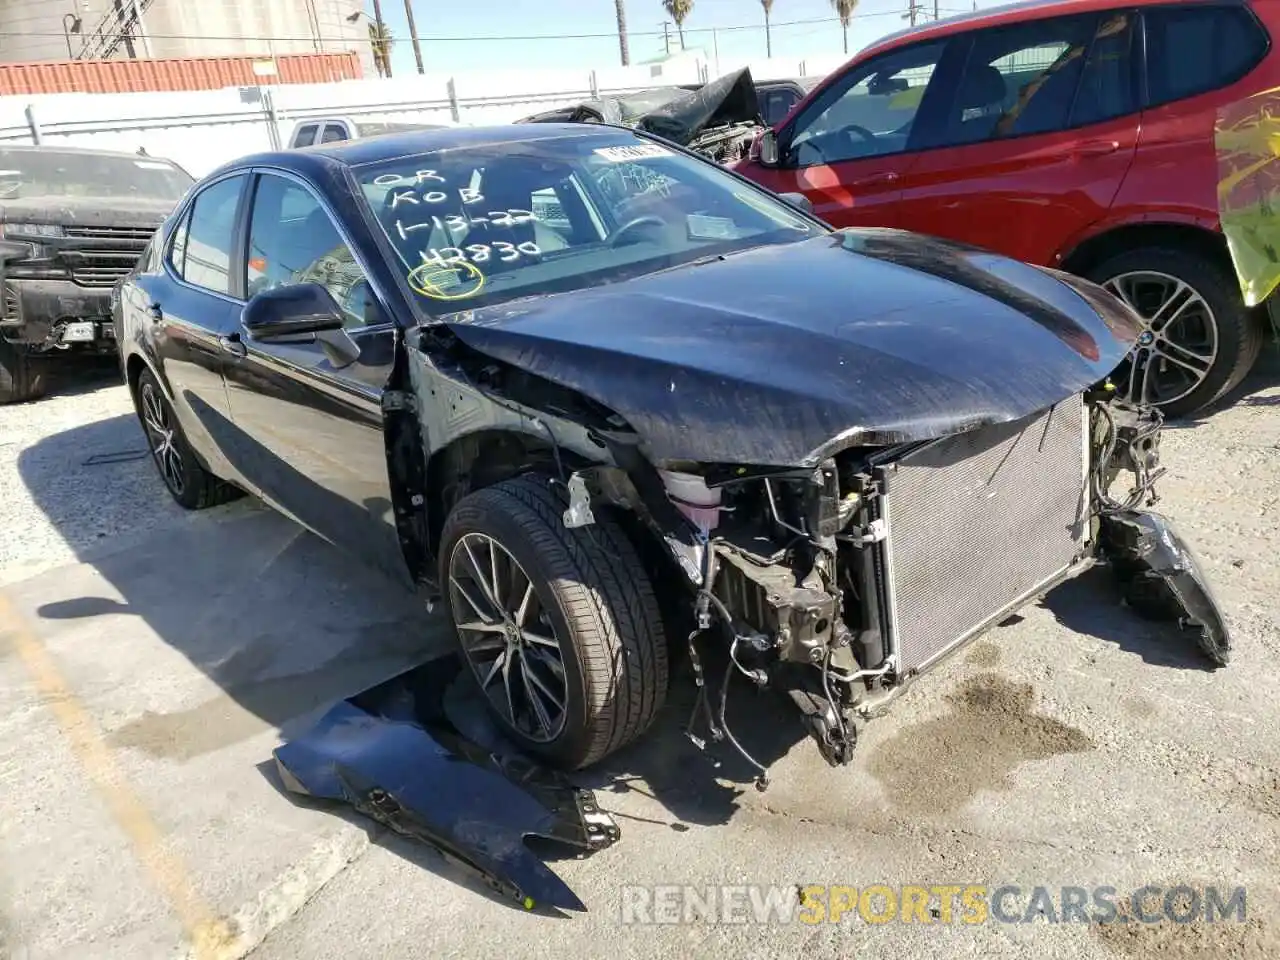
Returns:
point(413, 34)
point(666, 36)
point(382, 32)
point(914, 7)
point(937, 13)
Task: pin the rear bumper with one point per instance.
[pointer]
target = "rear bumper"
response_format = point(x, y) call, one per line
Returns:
point(38, 313)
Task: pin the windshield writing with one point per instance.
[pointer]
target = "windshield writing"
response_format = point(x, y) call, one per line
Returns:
point(481, 225)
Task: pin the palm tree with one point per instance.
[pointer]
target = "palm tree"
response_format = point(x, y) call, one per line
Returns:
point(768, 38)
point(413, 34)
point(381, 39)
point(620, 8)
point(844, 9)
point(678, 10)
point(386, 38)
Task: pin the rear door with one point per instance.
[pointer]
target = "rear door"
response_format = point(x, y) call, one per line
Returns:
point(1200, 57)
point(194, 309)
point(847, 149)
point(309, 433)
point(1036, 138)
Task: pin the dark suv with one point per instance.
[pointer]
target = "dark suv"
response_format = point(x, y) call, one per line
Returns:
point(72, 223)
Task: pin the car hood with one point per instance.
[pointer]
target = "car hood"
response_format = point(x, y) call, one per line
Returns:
point(727, 100)
point(783, 354)
point(87, 211)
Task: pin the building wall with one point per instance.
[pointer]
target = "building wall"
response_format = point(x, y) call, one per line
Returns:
point(32, 30)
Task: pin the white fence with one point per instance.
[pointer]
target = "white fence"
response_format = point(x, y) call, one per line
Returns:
point(203, 129)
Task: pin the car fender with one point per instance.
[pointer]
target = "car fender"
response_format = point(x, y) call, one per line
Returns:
point(1122, 219)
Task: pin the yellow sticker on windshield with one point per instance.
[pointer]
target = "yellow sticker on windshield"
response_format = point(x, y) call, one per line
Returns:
point(457, 280)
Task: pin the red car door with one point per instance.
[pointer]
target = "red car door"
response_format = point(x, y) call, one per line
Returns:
point(847, 149)
point(1036, 141)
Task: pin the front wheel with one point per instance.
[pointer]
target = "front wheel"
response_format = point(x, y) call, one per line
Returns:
point(560, 627)
point(23, 376)
point(1199, 340)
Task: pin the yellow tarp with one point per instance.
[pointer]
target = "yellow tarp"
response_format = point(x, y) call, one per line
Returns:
point(1247, 140)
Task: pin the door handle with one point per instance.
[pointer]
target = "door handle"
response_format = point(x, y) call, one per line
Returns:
point(233, 345)
point(877, 180)
point(1096, 148)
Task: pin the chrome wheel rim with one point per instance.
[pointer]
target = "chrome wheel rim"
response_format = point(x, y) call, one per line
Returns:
point(507, 637)
point(161, 432)
point(1178, 345)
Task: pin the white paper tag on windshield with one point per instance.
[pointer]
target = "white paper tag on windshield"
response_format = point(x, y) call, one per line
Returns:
point(711, 228)
point(151, 165)
point(641, 151)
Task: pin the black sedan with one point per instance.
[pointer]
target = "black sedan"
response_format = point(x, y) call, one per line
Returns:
point(602, 396)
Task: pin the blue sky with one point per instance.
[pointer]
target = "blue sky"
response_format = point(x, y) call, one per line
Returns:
point(460, 36)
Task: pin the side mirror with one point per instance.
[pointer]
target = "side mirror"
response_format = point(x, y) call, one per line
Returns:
point(301, 308)
point(769, 149)
point(797, 200)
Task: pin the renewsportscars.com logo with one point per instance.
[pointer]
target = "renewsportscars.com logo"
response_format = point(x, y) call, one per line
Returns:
point(928, 904)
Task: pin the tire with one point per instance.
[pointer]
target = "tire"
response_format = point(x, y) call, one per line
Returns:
point(187, 481)
point(591, 598)
point(23, 377)
point(1239, 333)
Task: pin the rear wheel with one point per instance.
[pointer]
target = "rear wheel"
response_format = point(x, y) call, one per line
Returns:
point(560, 627)
point(1199, 339)
point(22, 376)
point(187, 481)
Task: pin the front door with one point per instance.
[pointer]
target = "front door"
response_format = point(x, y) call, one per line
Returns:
point(311, 432)
point(848, 149)
point(1036, 140)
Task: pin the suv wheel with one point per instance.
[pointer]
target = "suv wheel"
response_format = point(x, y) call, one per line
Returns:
point(187, 481)
point(1199, 341)
point(22, 376)
point(560, 627)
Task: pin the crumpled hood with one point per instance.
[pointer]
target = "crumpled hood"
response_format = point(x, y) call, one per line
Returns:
point(783, 354)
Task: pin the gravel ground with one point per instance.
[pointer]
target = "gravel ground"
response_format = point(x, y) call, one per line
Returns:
point(1077, 746)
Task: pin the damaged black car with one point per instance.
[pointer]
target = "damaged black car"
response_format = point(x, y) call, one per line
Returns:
point(717, 119)
point(608, 401)
point(72, 224)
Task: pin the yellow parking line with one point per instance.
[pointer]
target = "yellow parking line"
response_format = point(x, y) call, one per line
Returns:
point(210, 937)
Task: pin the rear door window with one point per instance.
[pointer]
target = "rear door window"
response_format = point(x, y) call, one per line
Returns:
point(206, 260)
point(1042, 77)
point(333, 132)
point(1194, 49)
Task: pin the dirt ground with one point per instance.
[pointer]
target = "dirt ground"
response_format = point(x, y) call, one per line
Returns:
point(150, 660)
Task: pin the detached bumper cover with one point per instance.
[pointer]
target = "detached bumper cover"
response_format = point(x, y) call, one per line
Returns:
point(392, 756)
point(1161, 577)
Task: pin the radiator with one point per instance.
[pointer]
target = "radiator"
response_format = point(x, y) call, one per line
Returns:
point(978, 523)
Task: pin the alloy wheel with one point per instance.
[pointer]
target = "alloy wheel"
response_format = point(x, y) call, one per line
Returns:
point(1178, 345)
point(161, 433)
point(507, 637)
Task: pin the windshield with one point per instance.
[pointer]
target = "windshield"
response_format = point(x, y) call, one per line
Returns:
point(482, 224)
point(55, 173)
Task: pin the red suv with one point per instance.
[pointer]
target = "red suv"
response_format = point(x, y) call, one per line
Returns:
point(1075, 134)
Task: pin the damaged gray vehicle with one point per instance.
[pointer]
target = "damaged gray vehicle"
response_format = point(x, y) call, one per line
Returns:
point(608, 401)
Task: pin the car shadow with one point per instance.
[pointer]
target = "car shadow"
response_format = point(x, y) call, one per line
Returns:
point(1091, 604)
point(286, 625)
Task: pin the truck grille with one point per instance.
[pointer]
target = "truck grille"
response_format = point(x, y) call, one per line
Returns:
point(978, 523)
point(102, 268)
point(132, 235)
point(108, 254)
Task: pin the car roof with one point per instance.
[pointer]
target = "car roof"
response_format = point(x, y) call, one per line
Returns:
point(393, 145)
point(1017, 12)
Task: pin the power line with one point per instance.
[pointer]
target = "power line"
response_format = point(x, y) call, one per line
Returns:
point(612, 35)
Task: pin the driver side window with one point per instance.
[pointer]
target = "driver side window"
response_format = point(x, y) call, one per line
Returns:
point(293, 240)
point(870, 113)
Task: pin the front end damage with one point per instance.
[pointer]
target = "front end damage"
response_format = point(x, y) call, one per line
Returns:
point(838, 585)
